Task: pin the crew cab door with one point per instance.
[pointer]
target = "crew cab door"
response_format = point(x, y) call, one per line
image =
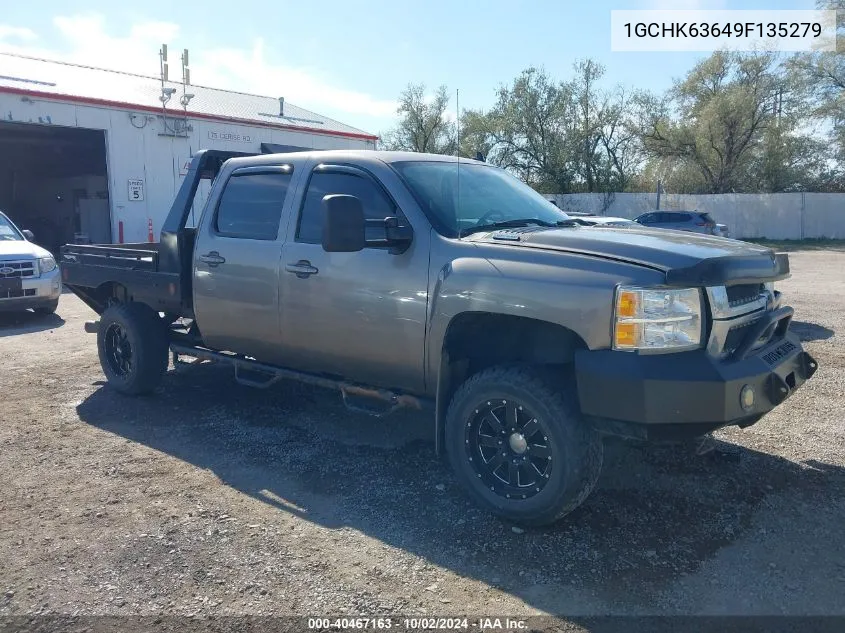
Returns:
point(358, 315)
point(236, 263)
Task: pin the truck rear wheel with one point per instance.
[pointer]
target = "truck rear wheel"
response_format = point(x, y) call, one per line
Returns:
point(519, 446)
point(132, 344)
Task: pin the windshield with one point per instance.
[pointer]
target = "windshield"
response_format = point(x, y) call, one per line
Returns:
point(481, 195)
point(8, 231)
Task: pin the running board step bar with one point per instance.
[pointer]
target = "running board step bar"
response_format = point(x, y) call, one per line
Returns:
point(253, 373)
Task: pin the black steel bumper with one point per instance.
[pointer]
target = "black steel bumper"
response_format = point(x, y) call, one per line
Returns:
point(655, 396)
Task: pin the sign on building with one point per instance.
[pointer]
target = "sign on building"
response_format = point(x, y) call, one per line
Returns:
point(232, 137)
point(136, 190)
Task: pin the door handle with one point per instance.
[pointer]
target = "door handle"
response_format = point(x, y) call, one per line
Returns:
point(301, 269)
point(212, 259)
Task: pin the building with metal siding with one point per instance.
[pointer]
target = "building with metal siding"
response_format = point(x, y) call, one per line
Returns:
point(88, 154)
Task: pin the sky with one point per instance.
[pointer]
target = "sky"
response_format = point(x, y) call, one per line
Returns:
point(350, 60)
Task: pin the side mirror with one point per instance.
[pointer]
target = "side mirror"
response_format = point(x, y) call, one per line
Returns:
point(344, 228)
point(28, 235)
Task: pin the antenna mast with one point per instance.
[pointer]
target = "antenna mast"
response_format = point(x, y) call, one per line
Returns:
point(165, 94)
point(186, 80)
point(458, 122)
point(458, 142)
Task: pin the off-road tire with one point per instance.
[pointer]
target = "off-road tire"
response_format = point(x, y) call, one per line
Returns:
point(576, 449)
point(146, 335)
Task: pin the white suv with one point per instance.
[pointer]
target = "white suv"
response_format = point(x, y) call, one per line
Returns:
point(29, 276)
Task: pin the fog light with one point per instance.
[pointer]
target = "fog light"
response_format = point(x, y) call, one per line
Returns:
point(746, 397)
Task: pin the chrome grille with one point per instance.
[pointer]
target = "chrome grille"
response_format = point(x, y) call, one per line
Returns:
point(731, 323)
point(743, 293)
point(17, 269)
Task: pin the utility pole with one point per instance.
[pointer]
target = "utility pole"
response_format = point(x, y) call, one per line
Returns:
point(659, 189)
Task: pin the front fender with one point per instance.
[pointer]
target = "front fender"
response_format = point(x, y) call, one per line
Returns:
point(573, 291)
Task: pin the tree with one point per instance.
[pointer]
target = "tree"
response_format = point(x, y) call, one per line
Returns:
point(675, 176)
point(608, 144)
point(715, 117)
point(558, 136)
point(620, 141)
point(722, 109)
point(588, 112)
point(788, 161)
point(820, 77)
point(526, 131)
point(423, 126)
point(737, 122)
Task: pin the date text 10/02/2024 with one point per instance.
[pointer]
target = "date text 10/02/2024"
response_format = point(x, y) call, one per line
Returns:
point(417, 624)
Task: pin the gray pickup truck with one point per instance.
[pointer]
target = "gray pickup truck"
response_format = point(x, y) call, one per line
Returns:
point(413, 280)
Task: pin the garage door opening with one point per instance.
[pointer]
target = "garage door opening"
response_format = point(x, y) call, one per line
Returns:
point(54, 182)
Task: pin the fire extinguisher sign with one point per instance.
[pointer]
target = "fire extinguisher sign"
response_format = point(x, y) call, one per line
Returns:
point(136, 190)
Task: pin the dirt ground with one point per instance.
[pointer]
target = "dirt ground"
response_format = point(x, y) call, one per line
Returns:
point(212, 498)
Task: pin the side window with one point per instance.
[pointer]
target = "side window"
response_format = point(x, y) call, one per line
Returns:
point(648, 218)
point(376, 205)
point(251, 206)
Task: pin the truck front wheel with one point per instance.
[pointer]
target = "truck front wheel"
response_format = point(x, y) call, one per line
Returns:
point(132, 344)
point(519, 446)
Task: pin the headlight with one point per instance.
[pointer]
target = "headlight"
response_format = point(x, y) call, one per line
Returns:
point(657, 319)
point(46, 264)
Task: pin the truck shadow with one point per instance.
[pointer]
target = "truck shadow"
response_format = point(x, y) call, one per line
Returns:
point(807, 331)
point(655, 516)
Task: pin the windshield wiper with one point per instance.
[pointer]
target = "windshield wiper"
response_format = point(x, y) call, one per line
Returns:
point(507, 224)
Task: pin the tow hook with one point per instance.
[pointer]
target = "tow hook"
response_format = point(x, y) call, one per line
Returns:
point(92, 326)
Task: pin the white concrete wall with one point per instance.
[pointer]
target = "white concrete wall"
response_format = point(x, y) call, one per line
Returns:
point(137, 150)
point(774, 216)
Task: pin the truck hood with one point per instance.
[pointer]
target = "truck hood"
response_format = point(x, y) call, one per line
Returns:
point(687, 259)
point(21, 249)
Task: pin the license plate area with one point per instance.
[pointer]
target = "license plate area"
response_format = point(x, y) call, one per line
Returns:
point(780, 352)
point(10, 286)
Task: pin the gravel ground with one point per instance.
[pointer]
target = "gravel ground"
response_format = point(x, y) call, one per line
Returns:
point(209, 498)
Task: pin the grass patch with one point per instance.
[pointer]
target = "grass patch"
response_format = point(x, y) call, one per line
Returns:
point(812, 244)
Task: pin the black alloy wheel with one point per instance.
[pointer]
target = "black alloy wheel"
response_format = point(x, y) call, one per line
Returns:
point(118, 350)
point(519, 445)
point(509, 448)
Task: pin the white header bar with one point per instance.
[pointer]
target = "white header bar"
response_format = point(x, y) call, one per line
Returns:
point(735, 30)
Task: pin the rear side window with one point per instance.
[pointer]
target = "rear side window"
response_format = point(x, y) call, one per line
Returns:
point(680, 217)
point(705, 217)
point(376, 205)
point(251, 206)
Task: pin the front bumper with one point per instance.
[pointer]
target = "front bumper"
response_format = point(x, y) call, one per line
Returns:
point(655, 396)
point(31, 292)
